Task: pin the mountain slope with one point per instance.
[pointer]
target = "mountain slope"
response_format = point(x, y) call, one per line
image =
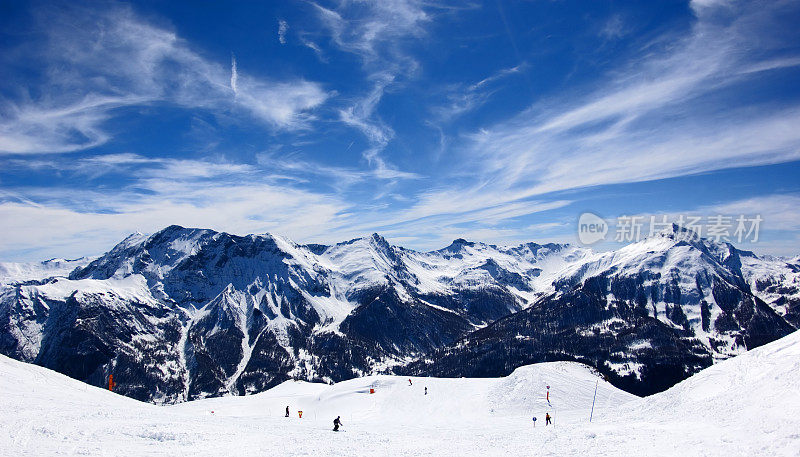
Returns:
point(740, 407)
point(776, 281)
point(241, 314)
point(647, 316)
point(192, 313)
point(13, 272)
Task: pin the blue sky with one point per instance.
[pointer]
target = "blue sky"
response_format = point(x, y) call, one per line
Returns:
point(423, 121)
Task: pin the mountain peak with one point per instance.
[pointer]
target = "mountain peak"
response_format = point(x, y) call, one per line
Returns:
point(682, 236)
point(132, 239)
point(175, 231)
point(459, 243)
point(678, 230)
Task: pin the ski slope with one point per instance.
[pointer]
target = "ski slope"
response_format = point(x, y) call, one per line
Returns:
point(742, 406)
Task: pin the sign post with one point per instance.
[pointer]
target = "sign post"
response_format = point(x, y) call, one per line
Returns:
point(593, 399)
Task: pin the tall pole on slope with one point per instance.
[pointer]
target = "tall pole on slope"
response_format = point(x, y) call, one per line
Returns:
point(593, 399)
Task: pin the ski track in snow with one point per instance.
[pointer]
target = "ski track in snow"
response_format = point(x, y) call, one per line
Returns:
point(744, 406)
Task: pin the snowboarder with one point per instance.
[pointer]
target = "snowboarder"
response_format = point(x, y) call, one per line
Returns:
point(336, 423)
point(426, 391)
point(287, 411)
point(547, 419)
point(409, 382)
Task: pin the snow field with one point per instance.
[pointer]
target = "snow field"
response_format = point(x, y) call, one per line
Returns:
point(744, 406)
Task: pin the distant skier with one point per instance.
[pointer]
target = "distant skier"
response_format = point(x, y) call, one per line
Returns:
point(547, 419)
point(336, 423)
point(426, 391)
point(409, 382)
point(287, 411)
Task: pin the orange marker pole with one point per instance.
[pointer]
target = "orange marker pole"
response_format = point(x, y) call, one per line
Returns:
point(111, 382)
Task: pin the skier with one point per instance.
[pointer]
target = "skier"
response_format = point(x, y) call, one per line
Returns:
point(336, 423)
point(287, 411)
point(409, 382)
point(426, 391)
point(547, 419)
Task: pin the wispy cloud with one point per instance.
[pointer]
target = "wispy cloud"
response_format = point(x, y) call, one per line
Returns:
point(340, 177)
point(772, 64)
point(438, 229)
point(376, 31)
point(776, 232)
point(53, 127)
point(225, 196)
point(361, 114)
point(283, 27)
point(779, 211)
point(234, 75)
point(652, 120)
point(314, 47)
point(613, 28)
point(463, 98)
point(100, 61)
point(674, 108)
point(373, 29)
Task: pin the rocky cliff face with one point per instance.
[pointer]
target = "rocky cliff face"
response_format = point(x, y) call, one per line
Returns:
point(191, 313)
point(647, 316)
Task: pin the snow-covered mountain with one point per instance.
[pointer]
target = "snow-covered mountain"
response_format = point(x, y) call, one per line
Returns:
point(12, 272)
point(776, 281)
point(743, 406)
point(191, 313)
point(647, 316)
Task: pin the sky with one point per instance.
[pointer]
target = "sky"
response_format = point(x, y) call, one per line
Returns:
point(424, 121)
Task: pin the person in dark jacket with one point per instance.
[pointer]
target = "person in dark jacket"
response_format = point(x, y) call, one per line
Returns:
point(336, 423)
point(547, 419)
point(287, 411)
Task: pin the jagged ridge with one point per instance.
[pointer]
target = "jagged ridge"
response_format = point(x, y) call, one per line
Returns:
point(189, 313)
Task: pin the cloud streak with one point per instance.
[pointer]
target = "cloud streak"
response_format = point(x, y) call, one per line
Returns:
point(225, 196)
point(234, 75)
point(376, 31)
point(462, 98)
point(283, 27)
point(100, 61)
point(674, 107)
point(655, 119)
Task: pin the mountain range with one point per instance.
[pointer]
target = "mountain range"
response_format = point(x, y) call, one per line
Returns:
point(191, 313)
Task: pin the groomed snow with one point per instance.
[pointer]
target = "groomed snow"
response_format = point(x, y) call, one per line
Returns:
point(744, 406)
